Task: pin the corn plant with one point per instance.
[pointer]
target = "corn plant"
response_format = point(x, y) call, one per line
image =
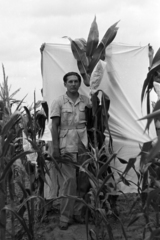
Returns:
point(8, 140)
point(148, 184)
point(7, 144)
point(97, 167)
point(152, 76)
point(11, 149)
point(88, 53)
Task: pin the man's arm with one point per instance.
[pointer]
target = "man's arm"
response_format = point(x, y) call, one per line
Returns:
point(55, 136)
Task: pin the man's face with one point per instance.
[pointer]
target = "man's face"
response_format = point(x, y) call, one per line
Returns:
point(72, 84)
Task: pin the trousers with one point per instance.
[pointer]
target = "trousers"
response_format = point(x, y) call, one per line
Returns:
point(73, 185)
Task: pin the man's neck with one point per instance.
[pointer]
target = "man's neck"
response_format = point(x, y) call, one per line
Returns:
point(73, 96)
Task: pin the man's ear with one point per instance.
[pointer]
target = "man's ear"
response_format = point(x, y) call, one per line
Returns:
point(65, 84)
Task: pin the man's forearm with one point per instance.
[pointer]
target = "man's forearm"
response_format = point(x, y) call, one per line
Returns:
point(55, 139)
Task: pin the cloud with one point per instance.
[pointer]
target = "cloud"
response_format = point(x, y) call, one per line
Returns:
point(53, 8)
point(69, 8)
point(24, 75)
point(26, 24)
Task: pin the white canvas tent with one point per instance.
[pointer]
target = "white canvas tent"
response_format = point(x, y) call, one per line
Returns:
point(122, 81)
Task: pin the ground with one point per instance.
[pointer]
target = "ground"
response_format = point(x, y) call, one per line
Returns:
point(48, 230)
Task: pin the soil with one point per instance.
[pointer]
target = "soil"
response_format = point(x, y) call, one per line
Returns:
point(49, 230)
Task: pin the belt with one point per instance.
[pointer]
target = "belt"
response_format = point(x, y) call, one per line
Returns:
point(73, 126)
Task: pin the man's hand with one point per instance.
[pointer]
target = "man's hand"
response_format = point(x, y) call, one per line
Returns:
point(56, 154)
point(42, 47)
point(55, 137)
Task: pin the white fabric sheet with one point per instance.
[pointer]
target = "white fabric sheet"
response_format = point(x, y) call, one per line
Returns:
point(122, 81)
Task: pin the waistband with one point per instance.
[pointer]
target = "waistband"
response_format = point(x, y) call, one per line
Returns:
point(73, 126)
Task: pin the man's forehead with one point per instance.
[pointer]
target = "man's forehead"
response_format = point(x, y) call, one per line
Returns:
point(72, 77)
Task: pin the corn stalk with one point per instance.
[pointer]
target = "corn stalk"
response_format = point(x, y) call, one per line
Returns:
point(2, 198)
point(6, 137)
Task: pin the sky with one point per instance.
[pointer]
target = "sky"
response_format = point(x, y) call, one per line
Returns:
point(26, 24)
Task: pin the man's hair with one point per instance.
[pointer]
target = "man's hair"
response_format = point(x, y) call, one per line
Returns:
point(71, 74)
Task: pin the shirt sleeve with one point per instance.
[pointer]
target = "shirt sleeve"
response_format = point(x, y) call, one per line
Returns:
point(55, 109)
point(88, 102)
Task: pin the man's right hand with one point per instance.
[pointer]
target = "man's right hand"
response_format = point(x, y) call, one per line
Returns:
point(56, 155)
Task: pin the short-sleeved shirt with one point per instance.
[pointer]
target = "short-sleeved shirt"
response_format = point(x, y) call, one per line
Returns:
point(72, 121)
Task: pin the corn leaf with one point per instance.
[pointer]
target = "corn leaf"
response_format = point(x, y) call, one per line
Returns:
point(105, 166)
point(122, 160)
point(105, 105)
point(104, 217)
point(19, 235)
point(20, 102)
point(124, 180)
point(87, 221)
point(148, 100)
point(130, 165)
point(146, 85)
point(122, 227)
point(76, 199)
point(70, 197)
point(14, 93)
point(7, 168)
point(93, 39)
point(110, 34)
point(155, 234)
point(137, 173)
point(30, 122)
point(7, 143)
point(144, 151)
point(94, 99)
point(30, 198)
point(92, 234)
point(106, 40)
point(154, 151)
point(156, 59)
point(135, 218)
point(81, 42)
point(123, 230)
point(3, 226)
point(104, 182)
point(10, 124)
point(90, 160)
point(25, 196)
point(151, 196)
point(153, 174)
point(83, 71)
point(41, 160)
point(103, 214)
point(149, 79)
point(80, 56)
point(149, 120)
point(91, 176)
point(133, 204)
point(111, 185)
point(21, 220)
point(151, 115)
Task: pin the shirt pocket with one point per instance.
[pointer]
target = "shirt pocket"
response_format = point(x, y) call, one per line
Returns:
point(66, 115)
point(82, 115)
point(62, 138)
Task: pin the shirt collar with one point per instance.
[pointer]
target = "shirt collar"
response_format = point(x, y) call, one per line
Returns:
point(67, 99)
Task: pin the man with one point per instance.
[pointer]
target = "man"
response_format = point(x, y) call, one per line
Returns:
point(69, 134)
